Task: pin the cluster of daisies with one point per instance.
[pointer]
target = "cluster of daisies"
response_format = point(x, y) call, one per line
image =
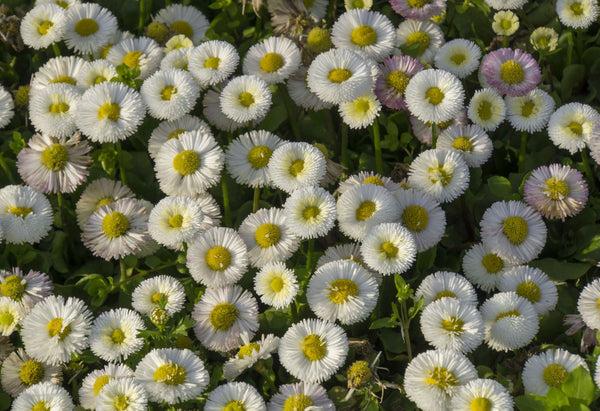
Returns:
point(360, 66)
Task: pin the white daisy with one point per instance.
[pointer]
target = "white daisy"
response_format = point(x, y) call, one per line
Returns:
point(487, 109)
point(530, 112)
point(235, 395)
point(52, 109)
point(150, 292)
point(313, 350)
point(544, 39)
point(249, 354)
point(484, 268)
point(11, 314)
point(506, 4)
point(310, 212)
point(389, 248)
point(276, 285)
point(186, 20)
point(482, 394)
point(425, 34)
point(587, 304)
point(577, 14)
point(93, 384)
point(506, 23)
point(361, 112)
point(114, 334)
point(57, 70)
point(246, 98)
point(26, 289)
point(123, 394)
point(20, 371)
point(296, 165)
point(44, 396)
point(570, 126)
point(341, 252)
point(215, 116)
point(87, 26)
point(301, 94)
point(459, 57)
point(300, 396)
point(178, 42)
point(210, 208)
point(65, 4)
point(141, 52)
point(176, 60)
point(96, 72)
point(99, 193)
point(367, 177)
point(43, 25)
point(549, 369)
point(170, 94)
point(168, 130)
point(6, 107)
point(471, 141)
point(25, 214)
point(446, 284)
point(532, 284)
point(273, 60)
point(213, 61)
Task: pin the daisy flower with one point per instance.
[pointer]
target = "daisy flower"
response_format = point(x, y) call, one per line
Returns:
point(587, 304)
point(215, 116)
point(6, 107)
point(273, 60)
point(423, 130)
point(310, 212)
point(544, 39)
point(55, 329)
point(170, 94)
point(342, 291)
point(296, 165)
point(93, 384)
point(150, 292)
point(124, 394)
point(87, 26)
point(389, 248)
point(26, 289)
point(368, 33)
point(11, 314)
point(52, 109)
point(484, 268)
point(247, 157)
point(367, 177)
point(530, 112)
point(168, 130)
point(482, 394)
point(302, 95)
point(422, 216)
point(44, 396)
point(276, 285)
point(300, 396)
point(268, 237)
point(222, 315)
point(313, 350)
point(213, 62)
point(109, 112)
point(117, 229)
point(532, 284)
point(339, 75)
point(433, 377)
point(512, 72)
point(418, 9)
point(506, 4)
point(65, 4)
point(344, 252)
point(471, 141)
point(249, 354)
point(358, 4)
point(114, 334)
point(116, 37)
point(360, 113)
point(99, 193)
point(556, 191)
point(451, 324)
point(176, 60)
point(487, 109)
point(317, 9)
point(459, 57)
point(25, 214)
point(577, 14)
point(178, 42)
point(20, 371)
point(570, 127)
point(246, 98)
point(51, 165)
point(235, 395)
point(396, 72)
point(172, 375)
point(96, 72)
point(218, 257)
point(57, 70)
point(446, 284)
point(186, 20)
point(549, 369)
point(434, 96)
point(43, 25)
point(141, 52)
point(425, 34)
point(510, 321)
point(189, 164)
point(506, 23)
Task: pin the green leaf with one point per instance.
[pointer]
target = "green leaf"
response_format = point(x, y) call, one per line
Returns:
point(530, 403)
point(499, 186)
point(560, 270)
point(556, 398)
point(426, 259)
point(573, 78)
point(579, 385)
point(386, 322)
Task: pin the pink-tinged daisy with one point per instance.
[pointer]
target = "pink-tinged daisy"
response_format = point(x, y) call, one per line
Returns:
point(418, 9)
point(512, 72)
point(396, 72)
point(556, 191)
point(594, 142)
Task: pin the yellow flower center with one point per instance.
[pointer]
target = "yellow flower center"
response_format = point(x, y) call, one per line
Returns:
point(530, 291)
point(183, 27)
point(485, 110)
point(110, 111)
point(310, 212)
point(176, 221)
point(271, 62)
point(6, 318)
point(267, 234)
point(511, 313)
point(13, 287)
point(59, 108)
point(389, 249)
point(168, 92)
point(527, 109)
point(105, 50)
point(99, 79)
point(373, 180)
point(358, 4)
point(319, 40)
point(246, 99)
point(156, 297)
point(297, 402)
point(512, 72)
point(19, 211)
point(170, 374)
point(434, 95)
point(359, 373)
point(576, 8)
point(458, 58)
point(259, 156)
point(103, 202)
point(365, 210)
point(44, 27)
point(480, 404)
point(175, 134)
point(576, 128)
point(41, 406)
point(296, 167)
point(417, 4)
point(441, 377)
point(313, 347)
point(62, 4)
point(86, 27)
point(515, 229)
point(132, 59)
point(363, 36)
point(100, 383)
point(117, 336)
point(234, 405)
point(115, 224)
point(32, 372)
point(247, 350)
point(223, 316)
point(555, 375)
point(341, 290)
point(276, 284)
point(506, 24)
point(339, 75)
point(556, 189)
point(440, 174)
point(492, 263)
point(212, 63)
point(218, 258)
point(453, 324)
point(362, 105)
point(121, 402)
point(186, 162)
point(445, 293)
point(415, 218)
point(55, 327)
point(419, 37)
point(397, 80)
point(64, 79)
point(55, 158)
point(463, 143)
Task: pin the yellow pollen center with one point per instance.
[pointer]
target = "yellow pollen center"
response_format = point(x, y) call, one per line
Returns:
point(183, 27)
point(362, 105)
point(168, 92)
point(419, 37)
point(530, 291)
point(121, 402)
point(358, 4)
point(434, 95)
point(389, 249)
point(271, 62)
point(492, 263)
point(175, 134)
point(417, 4)
point(480, 404)
point(110, 111)
point(58, 108)
point(212, 63)
point(186, 162)
point(415, 218)
point(512, 72)
point(100, 383)
point(132, 59)
point(267, 234)
point(463, 143)
point(576, 128)
point(512, 313)
point(576, 8)
point(458, 58)
point(234, 405)
point(555, 375)
point(359, 373)
point(363, 36)
point(453, 324)
point(218, 258)
point(115, 224)
point(318, 40)
point(156, 297)
point(105, 50)
point(341, 290)
point(397, 80)
point(311, 212)
point(170, 374)
point(485, 110)
point(6, 318)
point(259, 156)
point(62, 4)
point(506, 24)
point(223, 316)
point(103, 202)
point(86, 27)
point(176, 221)
point(373, 180)
point(441, 377)
point(55, 327)
point(64, 79)
point(556, 189)
point(247, 350)
point(276, 284)
point(440, 174)
point(296, 167)
point(246, 99)
point(313, 347)
point(515, 229)
point(365, 210)
point(13, 287)
point(297, 402)
point(117, 336)
point(55, 158)
point(527, 109)
point(19, 211)
point(31, 372)
point(445, 293)
point(44, 27)
point(339, 75)
point(99, 79)
point(41, 406)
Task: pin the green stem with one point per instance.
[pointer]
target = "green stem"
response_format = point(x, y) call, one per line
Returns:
point(121, 164)
point(434, 134)
point(59, 198)
point(294, 311)
point(570, 48)
point(309, 254)
point(292, 113)
point(143, 273)
point(226, 201)
point(344, 157)
point(580, 45)
point(56, 49)
point(522, 152)
point(377, 144)
point(504, 41)
point(123, 277)
point(406, 327)
point(255, 203)
point(6, 170)
point(333, 134)
point(142, 17)
point(588, 170)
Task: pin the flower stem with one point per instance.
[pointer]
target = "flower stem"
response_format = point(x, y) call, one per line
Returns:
point(121, 164)
point(377, 144)
point(255, 203)
point(570, 48)
point(522, 152)
point(142, 17)
point(123, 271)
point(289, 106)
point(6, 170)
point(504, 41)
point(588, 170)
point(56, 49)
point(580, 45)
point(59, 198)
point(406, 328)
point(309, 254)
point(434, 134)
point(226, 201)
point(344, 156)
